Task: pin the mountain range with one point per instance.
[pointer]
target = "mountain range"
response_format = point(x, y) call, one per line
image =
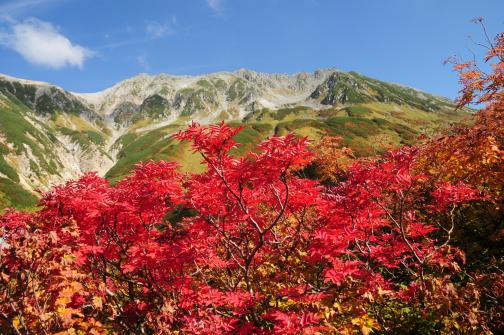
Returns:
point(49, 134)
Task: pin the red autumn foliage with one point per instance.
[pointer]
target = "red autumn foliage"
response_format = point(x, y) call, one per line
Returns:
point(251, 246)
point(246, 247)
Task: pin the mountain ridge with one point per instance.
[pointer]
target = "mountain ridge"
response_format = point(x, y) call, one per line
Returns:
point(49, 134)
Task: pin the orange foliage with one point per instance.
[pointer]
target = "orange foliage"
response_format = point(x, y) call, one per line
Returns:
point(331, 158)
point(479, 86)
point(475, 154)
point(471, 154)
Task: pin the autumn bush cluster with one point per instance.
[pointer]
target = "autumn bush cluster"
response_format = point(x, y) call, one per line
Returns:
point(282, 240)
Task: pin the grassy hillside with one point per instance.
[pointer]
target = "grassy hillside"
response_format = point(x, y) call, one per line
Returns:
point(48, 135)
point(29, 142)
point(22, 137)
point(366, 128)
point(159, 145)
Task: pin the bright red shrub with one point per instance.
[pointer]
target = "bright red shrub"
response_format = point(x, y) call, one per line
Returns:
point(246, 247)
point(249, 246)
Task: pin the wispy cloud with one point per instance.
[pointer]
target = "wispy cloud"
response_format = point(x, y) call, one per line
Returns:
point(151, 31)
point(121, 43)
point(143, 62)
point(42, 43)
point(161, 29)
point(13, 7)
point(215, 5)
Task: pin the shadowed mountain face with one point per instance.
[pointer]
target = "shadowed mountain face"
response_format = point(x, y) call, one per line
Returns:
point(48, 135)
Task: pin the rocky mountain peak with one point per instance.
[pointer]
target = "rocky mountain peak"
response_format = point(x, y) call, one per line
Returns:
point(48, 134)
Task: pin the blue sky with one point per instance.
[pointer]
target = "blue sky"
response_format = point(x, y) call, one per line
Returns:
point(88, 45)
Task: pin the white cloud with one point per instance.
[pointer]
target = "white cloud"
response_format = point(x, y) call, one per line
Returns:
point(41, 43)
point(215, 5)
point(156, 29)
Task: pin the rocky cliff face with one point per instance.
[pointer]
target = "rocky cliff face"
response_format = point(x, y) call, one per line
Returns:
point(48, 135)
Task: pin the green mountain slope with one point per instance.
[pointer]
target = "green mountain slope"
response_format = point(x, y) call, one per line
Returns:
point(48, 135)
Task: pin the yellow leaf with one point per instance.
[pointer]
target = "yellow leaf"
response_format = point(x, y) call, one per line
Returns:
point(356, 321)
point(16, 322)
point(369, 296)
point(97, 302)
point(383, 292)
point(337, 306)
point(366, 330)
point(5, 276)
point(70, 331)
point(67, 314)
